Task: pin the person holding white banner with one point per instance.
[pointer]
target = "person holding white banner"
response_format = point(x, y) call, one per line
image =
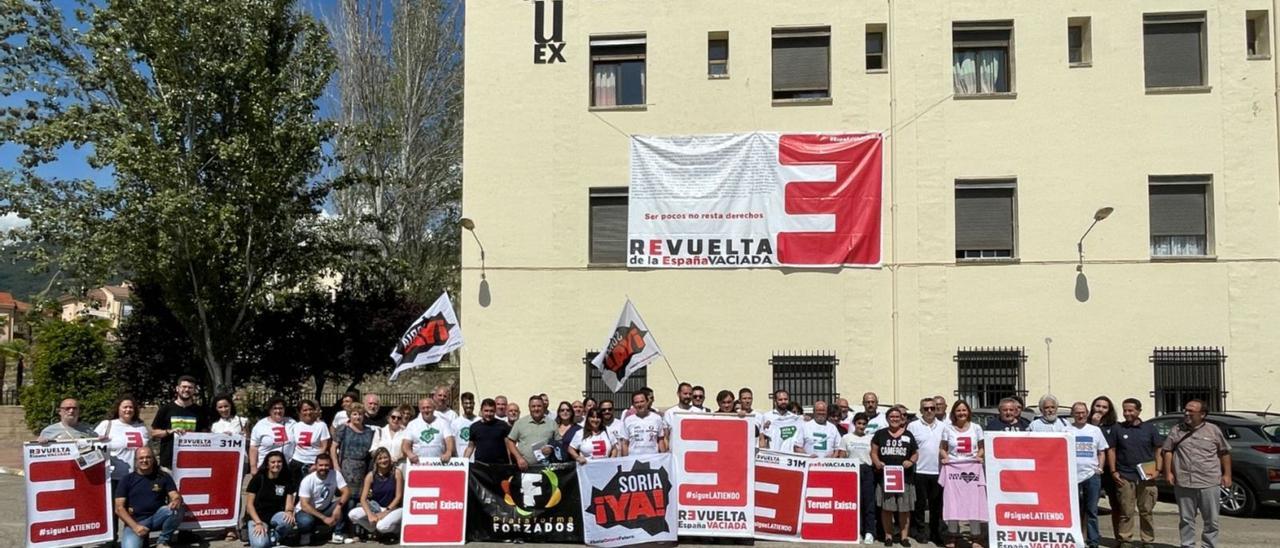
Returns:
point(819, 437)
point(125, 434)
point(379, 511)
point(1091, 451)
point(593, 441)
point(778, 427)
point(893, 446)
point(684, 404)
point(429, 436)
point(68, 427)
point(1048, 421)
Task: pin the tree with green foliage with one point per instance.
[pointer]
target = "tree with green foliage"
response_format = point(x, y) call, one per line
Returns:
point(205, 116)
point(70, 361)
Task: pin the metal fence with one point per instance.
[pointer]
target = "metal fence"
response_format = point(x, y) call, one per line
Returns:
point(9, 396)
point(987, 375)
point(807, 376)
point(1186, 373)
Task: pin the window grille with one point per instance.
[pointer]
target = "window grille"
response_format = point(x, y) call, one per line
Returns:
point(987, 375)
point(1186, 373)
point(807, 377)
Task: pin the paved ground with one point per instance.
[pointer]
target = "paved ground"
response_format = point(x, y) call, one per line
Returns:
point(1261, 531)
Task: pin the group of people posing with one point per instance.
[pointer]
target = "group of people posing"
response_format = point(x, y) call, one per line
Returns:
point(343, 477)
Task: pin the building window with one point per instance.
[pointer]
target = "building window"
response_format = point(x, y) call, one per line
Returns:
point(807, 377)
point(987, 375)
point(1079, 42)
point(802, 63)
point(982, 57)
point(617, 71)
point(608, 232)
point(877, 60)
point(1179, 213)
point(1257, 32)
point(986, 219)
point(599, 391)
point(718, 54)
point(1185, 373)
point(1174, 50)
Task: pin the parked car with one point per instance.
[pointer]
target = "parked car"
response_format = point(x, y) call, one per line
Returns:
point(1255, 457)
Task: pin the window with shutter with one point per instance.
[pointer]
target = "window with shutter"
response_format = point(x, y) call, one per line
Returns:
point(608, 232)
point(802, 63)
point(985, 220)
point(618, 71)
point(982, 57)
point(1174, 50)
point(1179, 216)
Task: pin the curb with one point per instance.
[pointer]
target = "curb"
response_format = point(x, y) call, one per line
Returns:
point(11, 471)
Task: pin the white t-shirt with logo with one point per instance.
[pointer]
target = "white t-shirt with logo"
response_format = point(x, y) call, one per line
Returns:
point(643, 433)
point(782, 431)
point(669, 416)
point(962, 445)
point(322, 492)
point(616, 430)
point(270, 436)
point(429, 438)
point(448, 414)
point(881, 420)
point(308, 440)
point(819, 439)
point(595, 446)
point(461, 427)
point(123, 443)
point(1089, 441)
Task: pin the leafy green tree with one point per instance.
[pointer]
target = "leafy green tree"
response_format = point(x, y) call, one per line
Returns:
point(204, 114)
point(70, 361)
point(152, 350)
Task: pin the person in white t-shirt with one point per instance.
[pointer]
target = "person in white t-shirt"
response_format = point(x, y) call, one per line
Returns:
point(857, 446)
point(429, 436)
point(322, 495)
point(461, 426)
point(271, 433)
point(341, 417)
point(228, 423)
point(684, 395)
point(819, 437)
point(1091, 450)
point(593, 440)
point(645, 431)
point(876, 419)
point(779, 427)
point(961, 442)
point(444, 398)
point(928, 430)
point(310, 438)
point(124, 435)
point(1049, 421)
point(611, 424)
point(392, 435)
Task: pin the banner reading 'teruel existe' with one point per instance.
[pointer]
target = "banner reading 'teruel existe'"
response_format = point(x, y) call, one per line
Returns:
point(755, 200)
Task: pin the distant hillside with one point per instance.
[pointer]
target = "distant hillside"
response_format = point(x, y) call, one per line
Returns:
point(15, 279)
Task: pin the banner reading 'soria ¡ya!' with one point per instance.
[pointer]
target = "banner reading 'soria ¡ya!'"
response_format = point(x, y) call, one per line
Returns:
point(755, 200)
point(628, 500)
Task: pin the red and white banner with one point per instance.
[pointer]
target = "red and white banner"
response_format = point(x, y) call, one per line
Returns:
point(894, 479)
point(831, 511)
point(755, 200)
point(435, 509)
point(714, 457)
point(780, 481)
point(208, 469)
point(68, 496)
point(1031, 490)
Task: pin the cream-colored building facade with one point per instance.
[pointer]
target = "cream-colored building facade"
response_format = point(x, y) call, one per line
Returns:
point(1068, 137)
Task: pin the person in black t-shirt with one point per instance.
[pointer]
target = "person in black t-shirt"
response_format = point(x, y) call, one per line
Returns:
point(269, 502)
point(488, 442)
point(895, 446)
point(147, 499)
point(183, 414)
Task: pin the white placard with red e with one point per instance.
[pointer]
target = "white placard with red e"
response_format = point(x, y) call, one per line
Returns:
point(435, 508)
point(1031, 490)
point(894, 479)
point(714, 457)
point(66, 505)
point(831, 503)
point(780, 481)
point(208, 470)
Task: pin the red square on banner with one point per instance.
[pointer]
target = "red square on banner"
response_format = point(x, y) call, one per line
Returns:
point(831, 505)
point(1047, 482)
point(779, 494)
point(69, 503)
point(895, 479)
point(208, 486)
point(435, 507)
point(728, 461)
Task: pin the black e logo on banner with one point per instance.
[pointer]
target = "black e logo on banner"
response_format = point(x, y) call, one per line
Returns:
point(636, 499)
point(548, 49)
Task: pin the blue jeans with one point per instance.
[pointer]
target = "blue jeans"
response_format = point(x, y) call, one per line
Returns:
point(277, 529)
point(164, 519)
point(1090, 490)
point(308, 523)
point(867, 500)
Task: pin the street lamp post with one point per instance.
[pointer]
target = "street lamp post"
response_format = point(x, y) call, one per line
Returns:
point(1099, 215)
